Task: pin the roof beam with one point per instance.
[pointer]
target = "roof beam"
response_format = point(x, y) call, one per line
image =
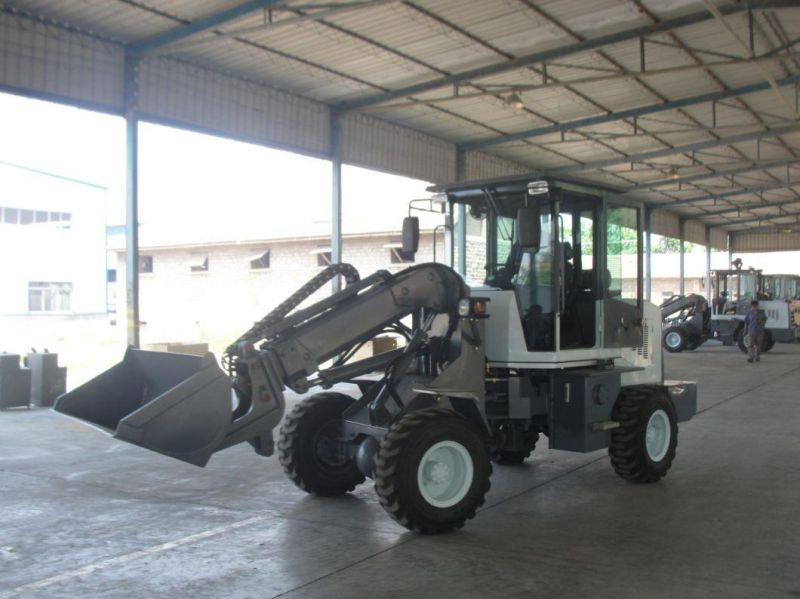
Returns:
point(738, 192)
point(764, 217)
point(701, 145)
point(561, 52)
point(160, 40)
point(754, 166)
point(629, 113)
point(777, 227)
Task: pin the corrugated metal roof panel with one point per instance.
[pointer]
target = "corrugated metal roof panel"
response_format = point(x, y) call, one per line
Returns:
point(391, 44)
point(232, 107)
point(54, 62)
point(665, 223)
point(765, 241)
point(372, 143)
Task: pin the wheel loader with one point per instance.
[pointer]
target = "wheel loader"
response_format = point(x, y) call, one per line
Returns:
point(535, 326)
point(687, 321)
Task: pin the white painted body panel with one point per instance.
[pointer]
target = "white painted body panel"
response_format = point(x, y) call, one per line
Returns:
point(506, 348)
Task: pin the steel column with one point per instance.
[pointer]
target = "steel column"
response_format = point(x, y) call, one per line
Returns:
point(648, 265)
point(131, 203)
point(708, 264)
point(336, 194)
point(461, 215)
point(682, 238)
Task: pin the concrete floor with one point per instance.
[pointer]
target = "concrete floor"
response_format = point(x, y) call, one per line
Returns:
point(83, 515)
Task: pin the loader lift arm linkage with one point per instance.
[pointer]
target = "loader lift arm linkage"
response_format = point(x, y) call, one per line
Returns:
point(182, 406)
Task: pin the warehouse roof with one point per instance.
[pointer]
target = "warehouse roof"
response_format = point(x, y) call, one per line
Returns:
point(691, 105)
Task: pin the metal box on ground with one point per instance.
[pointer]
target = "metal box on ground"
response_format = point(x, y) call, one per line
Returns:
point(15, 383)
point(48, 379)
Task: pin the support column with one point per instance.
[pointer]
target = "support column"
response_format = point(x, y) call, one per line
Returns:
point(460, 216)
point(708, 264)
point(730, 253)
point(682, 239)
point(131, 202)
point(336, 194)
point(648, 265)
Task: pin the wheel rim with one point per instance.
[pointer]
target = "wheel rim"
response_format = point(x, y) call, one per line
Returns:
point(657, 435)
point(444, 474)
point(325, 444)
point(673, 340)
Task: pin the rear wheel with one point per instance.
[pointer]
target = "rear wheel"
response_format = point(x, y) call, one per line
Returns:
point(432, 471)
point(643, 446)
point(514, 457)
point(767, 342)
point(310, 448)
point(674, 340)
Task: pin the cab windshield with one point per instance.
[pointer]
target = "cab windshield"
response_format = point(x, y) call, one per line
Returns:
point(557, 283)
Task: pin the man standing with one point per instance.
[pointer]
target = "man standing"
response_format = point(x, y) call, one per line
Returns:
point(754, 323)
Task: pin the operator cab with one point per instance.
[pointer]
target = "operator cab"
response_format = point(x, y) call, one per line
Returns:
point(733, 290)
point(571, 291)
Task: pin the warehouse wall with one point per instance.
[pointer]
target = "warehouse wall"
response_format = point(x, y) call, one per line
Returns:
point(178, 305)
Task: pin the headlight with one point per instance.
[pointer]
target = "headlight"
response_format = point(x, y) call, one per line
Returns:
point(463, 307)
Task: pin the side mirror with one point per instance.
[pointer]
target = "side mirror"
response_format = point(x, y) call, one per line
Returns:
point(411, 234)
point(530, 227)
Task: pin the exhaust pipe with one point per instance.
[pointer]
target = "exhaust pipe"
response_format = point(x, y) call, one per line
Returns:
point(178, 405)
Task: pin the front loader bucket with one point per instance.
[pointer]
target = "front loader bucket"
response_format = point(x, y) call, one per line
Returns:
point(176, 404)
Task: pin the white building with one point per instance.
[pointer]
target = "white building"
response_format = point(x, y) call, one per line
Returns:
point(52, 244)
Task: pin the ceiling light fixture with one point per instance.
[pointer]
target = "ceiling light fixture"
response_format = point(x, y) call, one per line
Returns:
point(673, 173)
point(515, 101)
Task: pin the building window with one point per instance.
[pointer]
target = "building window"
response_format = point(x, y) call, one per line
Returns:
point(260, 262)
point(11, 216)
point(111, 275)
point(23, 216)
point(199, 263)
point(49, 297)
point(146, 264)
point(323, 255)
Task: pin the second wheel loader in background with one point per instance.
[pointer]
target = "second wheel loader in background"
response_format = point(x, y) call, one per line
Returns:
point(688, 322)
point(537, 327)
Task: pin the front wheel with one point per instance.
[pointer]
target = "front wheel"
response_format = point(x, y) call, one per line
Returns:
point(767, 342)
point(432, 470)
point(643, 446)
point(674, 340)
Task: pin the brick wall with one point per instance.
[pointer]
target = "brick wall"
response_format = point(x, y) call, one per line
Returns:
point(177, 305)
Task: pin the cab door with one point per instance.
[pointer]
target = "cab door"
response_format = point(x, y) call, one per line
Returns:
point(622, 275)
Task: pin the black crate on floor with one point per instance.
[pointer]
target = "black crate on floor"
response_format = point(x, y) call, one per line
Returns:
point(48, 379)
point(15, 383)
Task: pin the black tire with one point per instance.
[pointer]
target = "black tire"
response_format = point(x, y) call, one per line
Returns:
point(399, 459)
point(628, 449)
point(306, 446)
point(677, 339)
point(509, 457)
point(740, 341)
point(693, 344)
point(767, 343)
